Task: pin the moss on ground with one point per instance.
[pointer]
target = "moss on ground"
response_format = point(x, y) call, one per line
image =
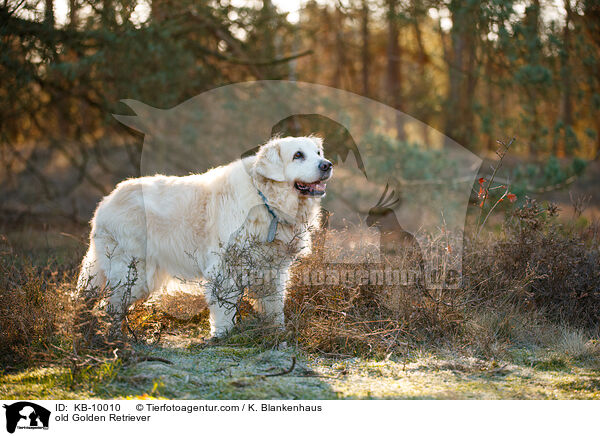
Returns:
point(238, 372)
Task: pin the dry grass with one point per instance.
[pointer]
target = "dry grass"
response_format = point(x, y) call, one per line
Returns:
point(532, 284)
point(519, 286)
point(34, 306)
point(537, 265)
point(43, 322)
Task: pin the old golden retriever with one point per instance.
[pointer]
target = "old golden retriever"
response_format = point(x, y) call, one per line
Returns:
point(179, 227)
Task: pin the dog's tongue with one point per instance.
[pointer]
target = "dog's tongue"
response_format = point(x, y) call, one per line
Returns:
point(318, 186)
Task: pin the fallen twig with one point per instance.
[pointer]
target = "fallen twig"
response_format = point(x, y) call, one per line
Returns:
point(284, 372)
point(154, 359)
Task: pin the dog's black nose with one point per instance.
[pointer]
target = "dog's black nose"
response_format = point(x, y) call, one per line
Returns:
point(325, 165)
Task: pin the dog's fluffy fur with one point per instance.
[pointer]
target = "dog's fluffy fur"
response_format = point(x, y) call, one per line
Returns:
point(179, 227)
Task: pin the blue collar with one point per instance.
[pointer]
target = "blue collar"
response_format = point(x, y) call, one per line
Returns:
point(274, 219)
point(264, 199)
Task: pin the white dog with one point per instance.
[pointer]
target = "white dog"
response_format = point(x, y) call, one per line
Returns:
point(179, 227)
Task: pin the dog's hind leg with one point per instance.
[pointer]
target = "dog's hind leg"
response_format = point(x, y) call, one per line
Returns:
point(89, 291)
point(91, 278)
point(125, 269)
point(127, 282)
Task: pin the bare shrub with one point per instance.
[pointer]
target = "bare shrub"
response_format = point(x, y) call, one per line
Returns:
point(520, 286)
point(43, 321)
point(537, 264)
point(33, 309)
point(249, 271)
point(366, 318)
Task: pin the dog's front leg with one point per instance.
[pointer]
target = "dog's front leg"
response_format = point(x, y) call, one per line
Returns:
point(222, 298)
point(223, 307)
point(270, 301)
point(221, 318)
point(271, 308)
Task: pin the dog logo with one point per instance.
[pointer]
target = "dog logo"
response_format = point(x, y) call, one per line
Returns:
point(26, 415)
point(423, 179)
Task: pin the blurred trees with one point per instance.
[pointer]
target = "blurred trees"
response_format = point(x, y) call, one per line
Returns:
point(60, 83)
point(476, 70)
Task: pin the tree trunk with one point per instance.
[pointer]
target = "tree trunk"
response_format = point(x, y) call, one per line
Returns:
point(394, 71)
point(532, 23)
point(340, 50)
point(462, 77)
point(455, 72)
point(489, 93)
point(591, 23)
point(469, 97)
point(108, 12)
point(365, 48)
point(269, 49)
point(565, 71)
point(73, 13)
point(158, 11)
point(424, 116)
point(49, 12)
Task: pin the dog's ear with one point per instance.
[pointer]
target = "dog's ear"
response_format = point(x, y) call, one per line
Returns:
point(269, 163)
point(317, 140)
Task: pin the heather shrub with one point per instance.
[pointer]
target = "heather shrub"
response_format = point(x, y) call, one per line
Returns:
point(523, 284)
point(538, 263)
point(33, 308)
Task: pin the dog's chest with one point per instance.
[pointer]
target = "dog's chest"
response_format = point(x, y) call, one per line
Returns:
point(259, 226)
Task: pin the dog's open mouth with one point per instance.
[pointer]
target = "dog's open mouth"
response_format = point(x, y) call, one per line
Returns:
point(315, 189)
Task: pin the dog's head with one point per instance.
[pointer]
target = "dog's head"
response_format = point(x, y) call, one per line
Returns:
point(298, 162)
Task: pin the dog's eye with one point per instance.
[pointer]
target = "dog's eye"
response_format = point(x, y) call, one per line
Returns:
point(299, 155)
